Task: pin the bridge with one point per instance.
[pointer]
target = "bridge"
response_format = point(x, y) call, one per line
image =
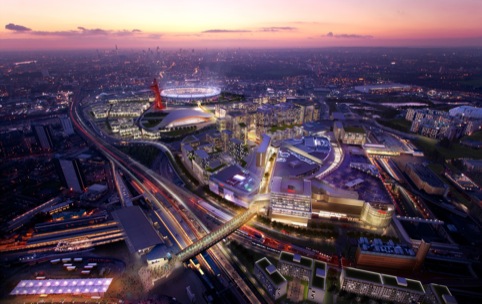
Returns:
point(420, 220)
point(212, 238)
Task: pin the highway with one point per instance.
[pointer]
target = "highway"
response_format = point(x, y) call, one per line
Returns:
point(156, 188)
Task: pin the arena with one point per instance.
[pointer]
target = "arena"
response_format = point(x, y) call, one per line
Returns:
point(190, 94)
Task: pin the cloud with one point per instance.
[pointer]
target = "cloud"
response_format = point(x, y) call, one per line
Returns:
point(17, 28)
point(277, 29)
point(221, 31)
point(348, 36)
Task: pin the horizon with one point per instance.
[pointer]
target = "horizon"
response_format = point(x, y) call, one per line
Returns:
point(215, 24)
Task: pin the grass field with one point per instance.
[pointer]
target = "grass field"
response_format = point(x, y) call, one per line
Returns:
point(399, 124)
point(429, 146)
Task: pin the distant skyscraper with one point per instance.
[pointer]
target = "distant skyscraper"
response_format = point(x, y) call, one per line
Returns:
point(67, 125)
point(71, 175)
point(43, 136)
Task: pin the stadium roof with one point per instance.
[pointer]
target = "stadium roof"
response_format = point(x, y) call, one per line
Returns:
point(179, 115)
point(139, 231)
point(190, 93)
point(62, 286)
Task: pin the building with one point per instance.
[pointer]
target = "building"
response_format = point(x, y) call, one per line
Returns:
point(43, 136)
point(89, 287)
point(141, 237)
point(425, 179)
point(317, 284)
point(381, 286)
point(71, 174)
point(290, 200)
point(354, 136)
point(272, 280)
point(235, 184)
point(304, 268)
point(237, 149)
point(262, 151)
point(377, 215)
point(67, 125)
point(159, 255)
point(466, 111)
point(439, 294)
point(295, 265)
point(379, 255)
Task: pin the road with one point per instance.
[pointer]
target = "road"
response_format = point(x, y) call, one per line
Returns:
point(154, 185)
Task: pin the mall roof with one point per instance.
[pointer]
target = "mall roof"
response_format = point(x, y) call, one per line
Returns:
point(296, 186)
point(139, 231)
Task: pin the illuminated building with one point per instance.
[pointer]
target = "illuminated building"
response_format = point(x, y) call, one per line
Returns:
point(303, 268)
point(235, 184)
point(377, 254)
point(271, 279)
point(290, 200)
point(90, 287)
point(381, 286)
point(378, 215)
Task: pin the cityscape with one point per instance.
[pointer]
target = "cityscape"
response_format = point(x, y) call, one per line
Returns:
point(203, 159)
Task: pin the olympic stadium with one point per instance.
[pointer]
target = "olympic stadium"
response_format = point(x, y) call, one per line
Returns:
point(183, 95)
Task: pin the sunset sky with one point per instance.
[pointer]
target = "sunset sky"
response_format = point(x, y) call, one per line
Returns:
point(61, 24)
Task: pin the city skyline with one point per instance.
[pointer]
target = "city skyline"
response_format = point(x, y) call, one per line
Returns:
point(214, 24)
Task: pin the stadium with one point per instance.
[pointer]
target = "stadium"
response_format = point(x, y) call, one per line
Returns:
point(190, 94)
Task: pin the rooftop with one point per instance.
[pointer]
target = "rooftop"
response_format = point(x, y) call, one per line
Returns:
point(402, 283)
point(62, 286)
point(318, 277)
point(426, 175)
point(139, 231)
point(237, 177)
point(364, 275)
point(295, 186)
point(271, 271)
point(290, 257)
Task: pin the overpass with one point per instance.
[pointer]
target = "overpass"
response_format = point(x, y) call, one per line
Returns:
point(212, 238)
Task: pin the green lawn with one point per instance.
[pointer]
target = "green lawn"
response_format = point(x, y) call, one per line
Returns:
point(399, 124)
point(429, 146)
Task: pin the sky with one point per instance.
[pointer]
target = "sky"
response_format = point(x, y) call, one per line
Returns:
point(101, 24)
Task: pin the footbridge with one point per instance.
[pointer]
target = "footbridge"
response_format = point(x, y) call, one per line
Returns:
point(212, 238)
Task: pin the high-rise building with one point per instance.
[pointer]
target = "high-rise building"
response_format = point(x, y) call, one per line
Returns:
point(43, 136)
point(71, 176)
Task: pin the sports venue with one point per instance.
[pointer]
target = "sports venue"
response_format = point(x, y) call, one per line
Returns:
point(183, 95)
